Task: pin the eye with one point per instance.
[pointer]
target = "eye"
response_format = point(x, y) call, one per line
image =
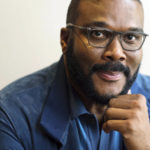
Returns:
point(132, 37)
point(99, 34)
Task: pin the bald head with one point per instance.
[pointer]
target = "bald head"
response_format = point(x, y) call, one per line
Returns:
point(73, 10)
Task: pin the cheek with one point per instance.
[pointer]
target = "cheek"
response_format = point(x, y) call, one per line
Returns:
point(86, 55)
point(133, 60)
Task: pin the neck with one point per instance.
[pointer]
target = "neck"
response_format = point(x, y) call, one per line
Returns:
point(97, 109)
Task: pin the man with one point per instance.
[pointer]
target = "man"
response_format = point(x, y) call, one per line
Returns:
point(93, 98)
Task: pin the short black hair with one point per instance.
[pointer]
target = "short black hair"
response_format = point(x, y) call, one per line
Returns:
point(73, 12)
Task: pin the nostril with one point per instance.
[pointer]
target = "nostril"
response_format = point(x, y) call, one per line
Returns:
point(121, 59)
point(109, 58)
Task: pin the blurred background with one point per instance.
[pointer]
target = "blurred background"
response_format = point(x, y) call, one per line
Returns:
point(29, 36)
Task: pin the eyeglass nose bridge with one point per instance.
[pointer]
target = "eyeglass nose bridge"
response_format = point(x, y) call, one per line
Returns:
point(114, 34)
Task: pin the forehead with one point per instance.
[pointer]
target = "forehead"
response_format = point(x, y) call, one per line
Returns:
point(117, 14)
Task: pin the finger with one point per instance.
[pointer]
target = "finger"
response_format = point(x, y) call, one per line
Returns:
point(120, 102)
point(127, 101)
point(122, 126)
point(116, 114)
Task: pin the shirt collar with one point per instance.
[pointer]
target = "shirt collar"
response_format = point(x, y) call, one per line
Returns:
point(77, 107)
point(62, 105)
point(55, 115)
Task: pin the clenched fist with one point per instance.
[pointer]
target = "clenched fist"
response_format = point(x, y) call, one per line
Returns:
point(128, 114)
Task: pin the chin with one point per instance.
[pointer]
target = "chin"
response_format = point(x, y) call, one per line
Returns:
point(110, 88)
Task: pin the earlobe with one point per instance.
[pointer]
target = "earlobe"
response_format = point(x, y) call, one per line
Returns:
point(64, 36)
point(64, 46)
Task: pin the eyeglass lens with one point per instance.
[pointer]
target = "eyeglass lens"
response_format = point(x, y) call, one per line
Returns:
point(129, 40)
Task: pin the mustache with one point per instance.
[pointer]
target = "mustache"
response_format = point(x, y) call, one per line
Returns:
point(111, 66)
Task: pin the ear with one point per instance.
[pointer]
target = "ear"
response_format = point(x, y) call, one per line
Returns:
point(64, 38)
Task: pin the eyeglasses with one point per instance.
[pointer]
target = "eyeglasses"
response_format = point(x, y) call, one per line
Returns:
point(100, 37)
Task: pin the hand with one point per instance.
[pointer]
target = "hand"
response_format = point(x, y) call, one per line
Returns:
point(128, 114)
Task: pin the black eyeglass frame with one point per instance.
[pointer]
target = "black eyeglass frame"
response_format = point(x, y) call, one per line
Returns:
point(114, 33)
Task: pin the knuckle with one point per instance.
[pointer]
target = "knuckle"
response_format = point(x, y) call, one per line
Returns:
point(130, 126)
point(136, 104)
point(140, 96)
point(139, 102)
point(133, 114)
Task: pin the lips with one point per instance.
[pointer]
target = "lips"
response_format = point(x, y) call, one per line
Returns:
point(110, 75)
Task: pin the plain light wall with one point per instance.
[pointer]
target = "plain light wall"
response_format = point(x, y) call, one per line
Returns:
point(29, 36)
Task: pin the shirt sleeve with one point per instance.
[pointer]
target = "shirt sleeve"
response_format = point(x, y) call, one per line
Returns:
point(8, 136)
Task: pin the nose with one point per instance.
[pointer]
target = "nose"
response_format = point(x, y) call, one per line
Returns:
point(114, 52)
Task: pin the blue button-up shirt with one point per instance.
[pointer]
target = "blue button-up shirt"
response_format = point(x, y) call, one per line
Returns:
point(42, 112)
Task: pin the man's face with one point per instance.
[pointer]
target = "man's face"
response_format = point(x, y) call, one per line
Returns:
point(101, 73)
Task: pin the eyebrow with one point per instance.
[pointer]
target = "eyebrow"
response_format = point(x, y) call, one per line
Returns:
point(136, 29)
point(97, 24)
point(104, 24)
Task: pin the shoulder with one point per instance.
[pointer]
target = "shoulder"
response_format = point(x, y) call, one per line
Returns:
point(38, 81)
point(142, 86)
point(143, 79)
point(22, 100)
point(21, 106)
point(142, 83)
point(29, 88)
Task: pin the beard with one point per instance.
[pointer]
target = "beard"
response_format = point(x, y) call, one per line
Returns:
point(85, 83)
